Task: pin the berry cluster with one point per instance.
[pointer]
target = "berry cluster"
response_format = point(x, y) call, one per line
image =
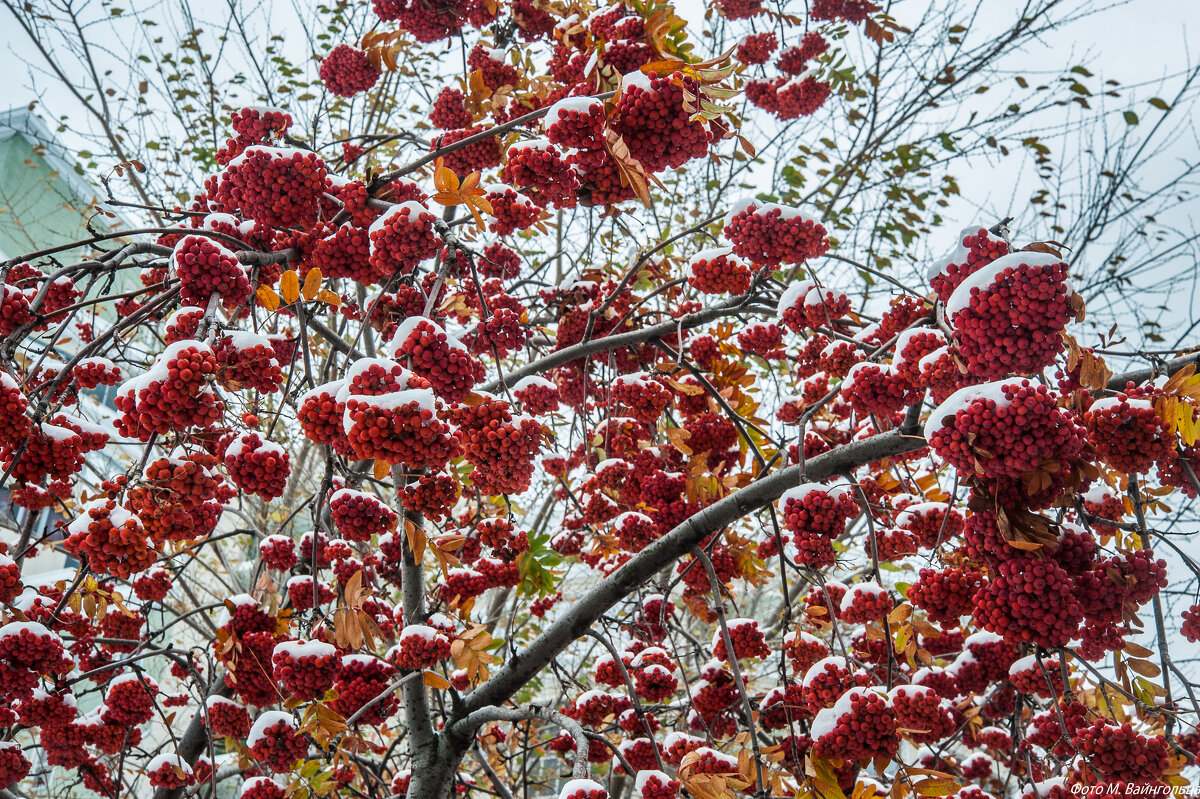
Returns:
point(205, 267)
point(277, 187)
point(305, 669)
point(539, 168)
point(757, 48)
point(358, 516)
point(275, 741)
point(257, 466)
point(719, 272)
point(1030, 600)
point(419, 647)
point(347, 71)
point(1008, 315)
point(362, 680)
point(655, 123)
point(945, 595)
point(402, 238)
point(768, 235)
point(748, 641)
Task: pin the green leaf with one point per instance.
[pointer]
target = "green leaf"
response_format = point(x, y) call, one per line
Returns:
point(1160, 104)
point(1131, 118)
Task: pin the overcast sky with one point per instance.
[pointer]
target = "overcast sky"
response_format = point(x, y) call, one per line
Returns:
point(1135, 42)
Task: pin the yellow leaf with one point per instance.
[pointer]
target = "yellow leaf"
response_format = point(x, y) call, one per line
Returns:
point(312, 283)
point(329, 298)
point(1185, 422)
point(268, 298)
point(382, 469)
point(289, 286)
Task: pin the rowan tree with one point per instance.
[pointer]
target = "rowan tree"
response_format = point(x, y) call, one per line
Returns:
point(507, 451)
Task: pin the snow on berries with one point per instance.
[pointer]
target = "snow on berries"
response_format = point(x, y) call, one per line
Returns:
point(719, 271)
point(247, 360)
point(1003, 429)
point(28, 649)
point(977, 248)
point(170, 772)
point(767, 234)
point(227, 718)
point(358, 515)
point(576, 123)
point(420, 647)
point(644, 397)
point(306, 669)
point(862, 724)
point(1009, 315)
point(582, 789)
point(865, 601)
point(258, 466)
point(398, 427)
point(654, 122)
point(175, 394)
point(1127, 433)
point(13, 764)
point(275, 741)
point(748, 641)
point(278, 187)
point(403, 237)
point(539, 168)
point(205, 267)
point(111, 538)
point(366, 680)
point(927, 717)
point(261, 788)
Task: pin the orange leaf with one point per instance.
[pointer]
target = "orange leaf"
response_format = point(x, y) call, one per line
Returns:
point(444, 178)
point(289, 286)
point(312, 283)
point(329, 298)
point(435, 680)
point(268, 298)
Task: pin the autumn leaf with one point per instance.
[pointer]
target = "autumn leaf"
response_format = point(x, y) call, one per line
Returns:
point(267, 297)
point(451, 192)
point(630, 170)
point(435, 680)
point(289, 286)
point(312, 283)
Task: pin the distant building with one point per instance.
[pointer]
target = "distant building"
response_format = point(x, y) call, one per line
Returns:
point(43, 200)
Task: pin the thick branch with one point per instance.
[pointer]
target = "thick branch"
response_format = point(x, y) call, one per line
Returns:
point(633, 337)
point(524, 665)
point(1139, 376)
point(466, 728)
